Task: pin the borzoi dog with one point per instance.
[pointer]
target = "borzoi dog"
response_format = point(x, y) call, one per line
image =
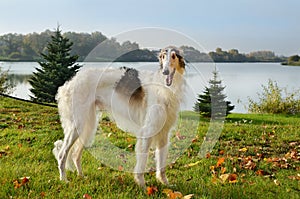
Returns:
point(141, 102)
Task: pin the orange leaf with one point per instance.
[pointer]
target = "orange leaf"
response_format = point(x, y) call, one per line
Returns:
point(25, 180)
point(220, 161)
point(260, 172)
point(232, 178)
point(208, 155)
point(151, 190)
point(221, 152)
point(42, 194)
point(87, 196)
point(223, 170)
point(175, 195)
point(17, 184)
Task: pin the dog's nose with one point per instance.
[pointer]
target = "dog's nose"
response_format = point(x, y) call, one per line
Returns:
point(166, 72)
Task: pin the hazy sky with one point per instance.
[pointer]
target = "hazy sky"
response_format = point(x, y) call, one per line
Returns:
point(246, 25)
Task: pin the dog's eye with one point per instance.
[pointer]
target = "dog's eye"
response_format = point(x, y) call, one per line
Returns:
point(163, 56)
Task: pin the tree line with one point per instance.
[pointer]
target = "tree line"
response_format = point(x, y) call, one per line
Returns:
point(28, 47)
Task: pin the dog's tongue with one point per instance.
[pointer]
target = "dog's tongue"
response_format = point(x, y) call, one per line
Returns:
point(169, 79)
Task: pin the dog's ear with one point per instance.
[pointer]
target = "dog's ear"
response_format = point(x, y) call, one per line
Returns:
point(159, 56)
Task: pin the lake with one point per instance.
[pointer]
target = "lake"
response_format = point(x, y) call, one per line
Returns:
point(242, 80)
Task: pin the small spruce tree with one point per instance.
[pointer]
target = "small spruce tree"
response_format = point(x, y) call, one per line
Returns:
point(57, 67)
point(212, 102)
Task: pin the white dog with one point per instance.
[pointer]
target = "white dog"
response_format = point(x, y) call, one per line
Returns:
point(142, 102)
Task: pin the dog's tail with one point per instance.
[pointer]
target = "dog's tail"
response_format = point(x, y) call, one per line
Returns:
point(57, 146)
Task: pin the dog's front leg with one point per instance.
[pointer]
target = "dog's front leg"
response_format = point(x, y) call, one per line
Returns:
point(161, 154)
point(141, 149)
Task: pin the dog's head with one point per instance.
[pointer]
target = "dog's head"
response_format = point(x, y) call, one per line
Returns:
point(171, 61)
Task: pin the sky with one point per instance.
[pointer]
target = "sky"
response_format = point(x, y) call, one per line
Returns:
point(246, 25)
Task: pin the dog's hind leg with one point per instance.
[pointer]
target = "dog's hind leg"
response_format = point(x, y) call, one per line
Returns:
point(76, 156)
point(68, 142)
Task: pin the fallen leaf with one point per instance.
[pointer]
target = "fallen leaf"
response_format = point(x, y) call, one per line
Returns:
point(232, 178)
point(17, 184)
point(87, 196)
point(175, 195)
point(224, 177)
point(179, 136)
point(192, 164)
point(151, 190)
point(243, 149)
point(260, 172)
point(188, 196)
point(171, 194)
point(24, 180)
point(220, 161)
point(42, 194)
point(297, 177)
point(223, 170)
point(207, 155)
point(276, 182)
point(221, 152)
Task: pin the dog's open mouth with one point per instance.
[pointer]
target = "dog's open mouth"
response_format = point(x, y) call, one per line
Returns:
point(170, 76)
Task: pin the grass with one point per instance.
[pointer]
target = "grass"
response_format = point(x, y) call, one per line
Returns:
point(256, 156)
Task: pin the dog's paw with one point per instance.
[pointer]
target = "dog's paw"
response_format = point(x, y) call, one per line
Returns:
point(140, 180)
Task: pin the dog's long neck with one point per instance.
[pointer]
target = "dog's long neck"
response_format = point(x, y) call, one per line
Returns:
point(178, 84)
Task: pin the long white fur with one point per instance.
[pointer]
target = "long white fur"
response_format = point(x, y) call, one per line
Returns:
point(150, 119)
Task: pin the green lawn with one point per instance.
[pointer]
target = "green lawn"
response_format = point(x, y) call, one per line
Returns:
point(256, 156)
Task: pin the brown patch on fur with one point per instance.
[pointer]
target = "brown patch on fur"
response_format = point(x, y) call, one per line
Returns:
point(130, 85)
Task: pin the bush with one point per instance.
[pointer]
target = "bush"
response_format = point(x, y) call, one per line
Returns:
point(271, 100)
point(6, 86)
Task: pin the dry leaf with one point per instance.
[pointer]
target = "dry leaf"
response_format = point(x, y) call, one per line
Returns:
point(151, 190)
point(297, 177)
point(223, 170)
point(192, 164)
point(220, 161)
point(232, 178)
point(276, 182)
point(221, 152)
point(24, 180)
point(224, 177)
point(243, 149)
point(87, 196)
point(17, 184)
point(179, 136)
point(208, 155)
point(175, 195)
point(43, 194)
point(260, 172)
point(188, 196)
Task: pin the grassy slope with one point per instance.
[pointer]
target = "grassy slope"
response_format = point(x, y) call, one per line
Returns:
point(259, 149)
